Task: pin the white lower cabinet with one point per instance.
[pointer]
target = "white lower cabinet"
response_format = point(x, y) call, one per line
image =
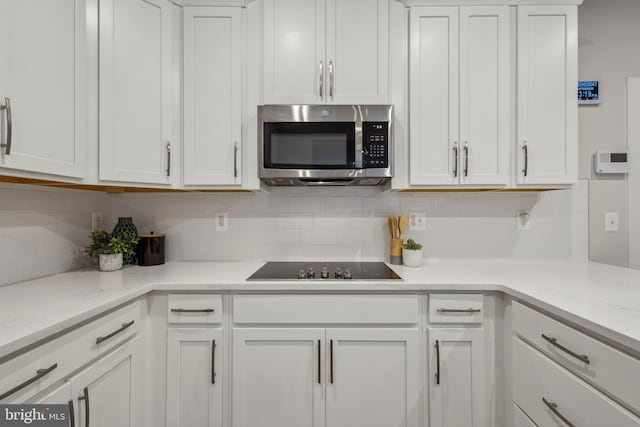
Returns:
point(326, 377)
point(110, 391)
point(457, 377)
point(194, 377)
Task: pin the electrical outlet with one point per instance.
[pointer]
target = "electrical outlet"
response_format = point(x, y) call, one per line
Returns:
point(97, 221)
point(611, 221)
point(418, 221)
point(222, 222)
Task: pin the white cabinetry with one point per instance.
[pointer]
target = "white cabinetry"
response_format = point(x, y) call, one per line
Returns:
point(326, 51)
point(135, 91)
point(457, 365)
point(43, 86)
point(194, 394)
point(195, 361)
point(460, 82)
point(547, 107)
point(109, 392)
point(212, 95)
point(291, 367)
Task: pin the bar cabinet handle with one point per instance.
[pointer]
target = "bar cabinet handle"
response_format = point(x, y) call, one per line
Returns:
point(72, 415)
point(85, 397)
point(554, 409)
point(437, 362)
point(554, 342)
point(7, 107)
point(331, 361)
point(321, 81)
point(213, 362)
point(525, 147)
point(466, 159)
point(319, 365)
point(455, 159)
point(39, 374)
point(235, 159)
point(457, 310)
point(192, 310)
point(168, 159)
point(331, 79)
point(114, 333)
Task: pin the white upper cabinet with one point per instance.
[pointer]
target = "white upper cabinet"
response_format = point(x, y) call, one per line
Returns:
point(547, 105)
point(326, 51)
point(43, 86)
point(212, 95)
point(460, 95)
point(135, 91)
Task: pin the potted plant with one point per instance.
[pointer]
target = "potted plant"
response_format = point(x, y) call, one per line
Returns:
point(108, 249)
point(412, 253)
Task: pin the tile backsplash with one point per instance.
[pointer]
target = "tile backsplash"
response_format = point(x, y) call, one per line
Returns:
point(351, 223)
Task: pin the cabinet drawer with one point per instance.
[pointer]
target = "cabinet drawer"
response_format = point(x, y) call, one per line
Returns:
point(614, 371)
point(195, 308)
point(455, 308)
point(59, 358)
point(333, 309)
point(536, 377)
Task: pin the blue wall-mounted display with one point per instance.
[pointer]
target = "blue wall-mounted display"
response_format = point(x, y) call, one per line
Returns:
point(588, 93)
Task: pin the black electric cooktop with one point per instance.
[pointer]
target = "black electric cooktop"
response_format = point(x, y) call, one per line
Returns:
point(325, 271)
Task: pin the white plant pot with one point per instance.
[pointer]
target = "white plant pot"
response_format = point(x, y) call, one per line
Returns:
point(110, 262)
point(412, 258)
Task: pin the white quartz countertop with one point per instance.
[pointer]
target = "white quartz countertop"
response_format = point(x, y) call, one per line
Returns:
point(601, 298)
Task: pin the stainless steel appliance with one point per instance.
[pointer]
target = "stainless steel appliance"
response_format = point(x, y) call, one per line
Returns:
point(325, 271)
point(325, 144)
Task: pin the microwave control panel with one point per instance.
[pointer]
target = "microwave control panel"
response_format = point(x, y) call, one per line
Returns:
point(375, 137)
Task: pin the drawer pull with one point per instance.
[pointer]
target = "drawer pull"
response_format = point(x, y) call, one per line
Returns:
point(554, 409)
point(437, 362)
point(554, 341)
point(194, 310)
point(85, 397)
point(459, 310)
point(39, 374)
point(114, 333)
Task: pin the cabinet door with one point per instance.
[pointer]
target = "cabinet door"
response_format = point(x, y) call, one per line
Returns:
point(194, 377)
point(294, 52)
point(60, 395)
point(358, 51)
point(212, 95)
point(278, 378)
point(456, 378)
point(43, 73)
point(373, 377)
point(111, 391)
point(434, 150)
point(135, 99)
point(547, 106)
point(485, 82)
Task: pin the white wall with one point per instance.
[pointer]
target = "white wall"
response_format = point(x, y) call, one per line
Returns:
point(609, 51)
point(43, 231)
point(345, 223)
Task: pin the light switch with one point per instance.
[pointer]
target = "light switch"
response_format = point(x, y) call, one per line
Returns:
point(611, 221)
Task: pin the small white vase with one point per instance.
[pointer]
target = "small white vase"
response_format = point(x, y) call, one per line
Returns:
point(412, 258)
point(110, 262)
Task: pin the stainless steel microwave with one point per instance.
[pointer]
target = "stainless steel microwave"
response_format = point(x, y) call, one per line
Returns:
point(325, 144)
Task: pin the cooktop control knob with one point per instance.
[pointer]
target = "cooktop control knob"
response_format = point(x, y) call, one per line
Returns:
point(302, 274)
point(347, 275)
point(324, 274)
point(311, 274)
point(338, 273)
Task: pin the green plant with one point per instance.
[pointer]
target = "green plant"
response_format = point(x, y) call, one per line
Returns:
point(412, 245)
point(103, 243)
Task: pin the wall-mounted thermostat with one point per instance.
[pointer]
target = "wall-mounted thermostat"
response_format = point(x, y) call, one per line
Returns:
point(610, 162)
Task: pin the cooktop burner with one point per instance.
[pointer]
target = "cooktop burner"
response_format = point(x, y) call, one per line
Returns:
point(325, 271)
